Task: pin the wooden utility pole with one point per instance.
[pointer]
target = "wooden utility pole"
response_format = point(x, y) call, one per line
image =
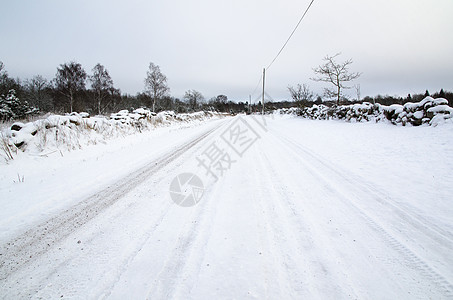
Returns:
point(264, 79)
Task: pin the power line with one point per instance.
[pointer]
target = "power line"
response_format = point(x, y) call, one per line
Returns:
point(290, 36)
point(284, 45)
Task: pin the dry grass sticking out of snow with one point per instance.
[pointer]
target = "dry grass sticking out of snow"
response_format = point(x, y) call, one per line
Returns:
point(76, 130)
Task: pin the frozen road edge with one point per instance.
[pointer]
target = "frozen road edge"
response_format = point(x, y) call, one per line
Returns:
point(38, 240)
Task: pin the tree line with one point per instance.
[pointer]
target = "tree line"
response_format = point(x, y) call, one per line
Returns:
point(73, 89)
point(337, 74)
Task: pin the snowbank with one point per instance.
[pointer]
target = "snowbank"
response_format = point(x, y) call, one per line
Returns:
point(428, 111)
point(73, 131)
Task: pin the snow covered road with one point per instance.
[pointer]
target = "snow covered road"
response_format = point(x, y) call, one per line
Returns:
point(315, 210)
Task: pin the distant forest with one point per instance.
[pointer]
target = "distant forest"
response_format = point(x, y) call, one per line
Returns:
point(384, 100)
point(69, 91)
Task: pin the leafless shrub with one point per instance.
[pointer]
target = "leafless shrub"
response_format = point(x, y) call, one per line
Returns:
point(8, 149)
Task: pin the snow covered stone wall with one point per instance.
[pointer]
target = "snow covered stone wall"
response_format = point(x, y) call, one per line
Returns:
point(72, 131)
point(428, 111)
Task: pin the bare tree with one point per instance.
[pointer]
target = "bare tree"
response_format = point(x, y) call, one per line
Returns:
point(101, 83)
point(36, 89)
point(193, 98)
point(155, 84)
point(300, 93)
point(335, 73)
point(69, 79)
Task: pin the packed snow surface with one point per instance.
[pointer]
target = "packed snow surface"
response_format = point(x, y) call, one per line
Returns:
point(303, 209)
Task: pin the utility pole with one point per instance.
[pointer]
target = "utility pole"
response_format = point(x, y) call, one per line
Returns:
point(250, 104)
point(264, 79)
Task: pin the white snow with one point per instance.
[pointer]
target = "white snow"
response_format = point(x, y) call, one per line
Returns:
point(429, 111)
point(313, 210)
point(74, 131)
point(54, 179)
point(441, 108)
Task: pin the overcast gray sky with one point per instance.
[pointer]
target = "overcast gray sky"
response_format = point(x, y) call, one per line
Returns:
point(221, 47)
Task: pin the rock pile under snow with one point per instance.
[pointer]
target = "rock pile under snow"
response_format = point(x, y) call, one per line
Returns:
point(428, 111)
point(72, 131)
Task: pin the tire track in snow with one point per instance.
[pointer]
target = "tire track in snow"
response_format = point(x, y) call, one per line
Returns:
point(38, 240)
point(410, 258)
point(112, 261)
point(417, 221)
point(173, 275)
point(184, 261)
point(97, 254)
point(306, 244)
point(277, 274)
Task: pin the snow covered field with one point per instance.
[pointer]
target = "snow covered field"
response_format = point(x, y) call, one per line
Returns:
point(302, 209)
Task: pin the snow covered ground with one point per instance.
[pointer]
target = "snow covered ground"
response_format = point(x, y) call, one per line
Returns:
point(293, 208)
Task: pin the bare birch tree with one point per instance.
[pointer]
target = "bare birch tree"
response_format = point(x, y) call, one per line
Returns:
point(101, 83)
point(70, 78)
point(155, 84)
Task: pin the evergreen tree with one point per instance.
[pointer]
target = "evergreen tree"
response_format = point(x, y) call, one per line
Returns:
point(12, 109)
